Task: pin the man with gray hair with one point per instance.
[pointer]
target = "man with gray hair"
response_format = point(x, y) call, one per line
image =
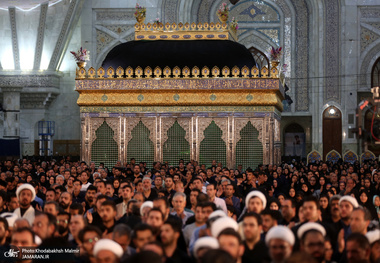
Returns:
point(179, 204)
point(60, 179)
point(149, 193)
point(122, 235)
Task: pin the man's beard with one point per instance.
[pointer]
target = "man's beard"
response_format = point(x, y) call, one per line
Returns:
point(62, 230)
point(63, 205)
point(24, 203)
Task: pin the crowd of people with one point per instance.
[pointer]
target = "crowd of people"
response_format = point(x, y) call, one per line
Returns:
point(321, 212)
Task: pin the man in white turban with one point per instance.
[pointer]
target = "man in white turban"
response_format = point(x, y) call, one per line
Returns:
point(107, 250)
point(25, 195)
point(280, 241)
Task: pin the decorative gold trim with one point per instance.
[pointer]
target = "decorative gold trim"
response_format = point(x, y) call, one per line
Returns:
point(179, 97)
point(147, 73)
point(187, 31)
point(258, 84)
point(178, 109)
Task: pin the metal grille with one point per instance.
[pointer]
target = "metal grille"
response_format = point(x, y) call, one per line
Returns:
point(176, 147)
point(140, 146)
point(260, 58)
point(249, 150)
point(104, 148)
point(212, 147)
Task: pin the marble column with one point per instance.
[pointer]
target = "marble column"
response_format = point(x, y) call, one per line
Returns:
point(11, 106)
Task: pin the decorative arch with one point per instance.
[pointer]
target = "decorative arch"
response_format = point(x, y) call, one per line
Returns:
point(333, 156)
point(350, 157)
point(332, 130)
point(104, 148)
point(314, 156)
point(249, 150)
point(176, 147)
point(366, 156)
point(140, 146)
point(116, 41)
point(212, 147)
point(369, 59)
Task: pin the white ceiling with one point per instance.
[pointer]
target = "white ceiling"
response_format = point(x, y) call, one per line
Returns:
point(25, 4)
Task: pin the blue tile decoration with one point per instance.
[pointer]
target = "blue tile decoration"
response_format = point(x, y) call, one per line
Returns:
point(350, 157)
point(252, 11)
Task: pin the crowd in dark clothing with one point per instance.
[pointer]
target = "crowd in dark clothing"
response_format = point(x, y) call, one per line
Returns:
point(190, 212)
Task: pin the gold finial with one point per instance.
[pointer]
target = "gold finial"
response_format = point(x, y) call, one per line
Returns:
point(264, 72)
point(186, 72)
point(167, 72)
point(101, 72)
point(205, 72)
point(235, 71)
point(215, 72)
point(195, 72)
point(226, 72)
point(148, 72)
point(157, 72)
point(255, 72)
point(119, 72)
point(110, 72)
point(129, 72)
point(91, 73)
point(176, 72)
point(139, 72)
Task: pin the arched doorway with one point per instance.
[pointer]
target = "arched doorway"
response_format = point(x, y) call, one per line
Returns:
point(294, 142)
point(332, 130)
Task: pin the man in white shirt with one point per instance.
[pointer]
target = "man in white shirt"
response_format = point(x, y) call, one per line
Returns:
point(219, 202)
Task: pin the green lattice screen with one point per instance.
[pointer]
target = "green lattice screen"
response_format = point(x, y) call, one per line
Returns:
point(104, 148)
point(140, 146)
point(176, 147)
point(249, 150)
point(212, 146)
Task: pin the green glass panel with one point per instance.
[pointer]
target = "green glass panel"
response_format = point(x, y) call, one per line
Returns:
point(104, 148)
point(212, 147)
point(249, 150)
point(176, 147)
point(140, 146)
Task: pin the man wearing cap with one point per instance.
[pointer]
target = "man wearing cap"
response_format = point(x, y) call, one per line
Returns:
point(280, 241)
point(255, 202)
point(346, 206)
point(107, 250)
point(374, 241)
point(312, 236)
point(25, 194)
point(204, 244)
